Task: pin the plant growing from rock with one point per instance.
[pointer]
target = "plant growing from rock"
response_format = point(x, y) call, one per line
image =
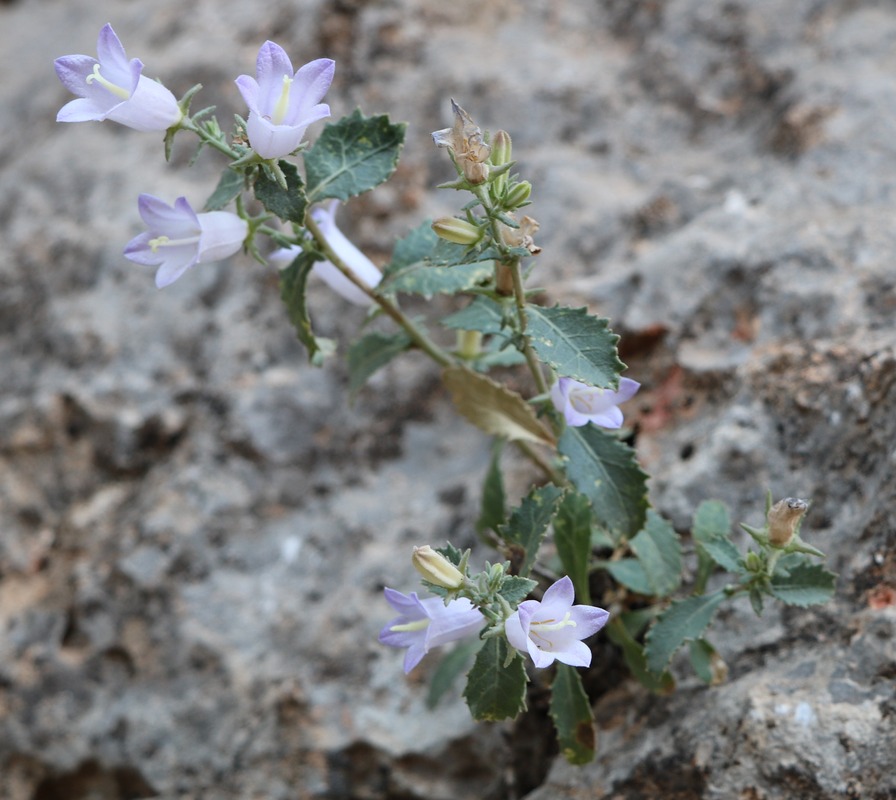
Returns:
point(520, 614)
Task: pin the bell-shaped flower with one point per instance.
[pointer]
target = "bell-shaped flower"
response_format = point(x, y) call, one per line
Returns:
point(581, 404)
point(424, 624)
point(552, 629)
point(115, 88)
point(178, 237)
point(351, 256)
point(283, 103)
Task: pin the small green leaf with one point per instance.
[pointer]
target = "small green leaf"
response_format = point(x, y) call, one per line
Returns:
point(572, 536)
point(515, 589)
point(426, 280)
point(483, 314)
point(293, 280)
point(496, 690)
point(493, 511)
point(229, 186)
point(450, 668)
point(711, 521)
point(371, 352)
point(572, 716)
point(414, 248)
point(630, 573)
point(576, 344)
point(706, 662)
point(711, 532)
point(659, 551)
point(528, 524)
point(633, 653)
point(724, 553)
point(352, 156)
point(288, 205)
point(605, 469)
point(492, 408)
point(806, 585)
point(683, 620)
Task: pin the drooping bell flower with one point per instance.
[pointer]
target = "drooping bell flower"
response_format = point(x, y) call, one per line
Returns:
point(283, 103)
point(111, 87)
point(354, 259)
point(178, 237)
point(581, 404)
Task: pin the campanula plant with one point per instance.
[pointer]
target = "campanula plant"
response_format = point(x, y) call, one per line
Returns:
point(615, 574)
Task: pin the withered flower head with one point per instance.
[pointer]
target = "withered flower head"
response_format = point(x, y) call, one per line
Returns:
point(522, 236)
point(465, 140)
point(783, 520)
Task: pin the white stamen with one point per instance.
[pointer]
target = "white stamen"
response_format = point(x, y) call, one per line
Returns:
point(118, 91)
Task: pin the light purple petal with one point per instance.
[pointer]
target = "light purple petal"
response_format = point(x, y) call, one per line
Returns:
point(110, 50)
point(627, 389)
point(248, 87)
point(588, 619)
point(540, 658)
point(178, 260)
point(269, 140)
point(513, 629)
point(173, 221)
point(559, 596)
point(576, 654)
point(139, 250)
point(152, 107)
point(222, 235)
point(282, 257)
point(611, 418)
point(270, 67)
point(407, 605)
point(414, 655)
point(72, 71)
point(312, 82)
point(457, 620)
point(80, 110)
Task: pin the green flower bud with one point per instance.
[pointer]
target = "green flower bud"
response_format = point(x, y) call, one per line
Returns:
point(784, 520)
point(436, 569)
point(753, 562)
point(457, 230)
point(518, 194)
point(501, 148)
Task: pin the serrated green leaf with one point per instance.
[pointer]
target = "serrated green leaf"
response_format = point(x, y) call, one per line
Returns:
point(683, 620)
point(515, 589)
point(414, 248)
point(293, 280)
point(450, 668)
point(572, 716)
point(724, 553)
point(427, 280)
point(528, 524)
point(492, 408)
point(711, 521)
point(290, 204)
point(659, 551)
point(572, 536)
point(352, 156)
point(805, 585)
point(483, 315)
point(495, 691)
point(493, 511)
point(371, 352)
point(576, 344)
point(633, 653)
point(229, 186)
point(711, 533)
point(630, 573)
point(605, 469)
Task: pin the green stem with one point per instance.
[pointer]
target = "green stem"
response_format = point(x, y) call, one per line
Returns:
point(213, 141)
point(553, 474)
point(519, 296)
point(419, 338)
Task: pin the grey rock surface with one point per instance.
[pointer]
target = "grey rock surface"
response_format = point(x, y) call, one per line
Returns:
point(195, 526)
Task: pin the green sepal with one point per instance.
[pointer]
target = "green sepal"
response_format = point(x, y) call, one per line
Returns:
point(352, 156)
point(370, 353)
point(515, 589)
point(683, 620)
point(293, 281)
point(572, 537)
point(605, 470)
point(287, 204)
point(528, 525)
point(496, 685)
point(659, 550)
point(576, 344)
point(229, 187)
point(572, 716)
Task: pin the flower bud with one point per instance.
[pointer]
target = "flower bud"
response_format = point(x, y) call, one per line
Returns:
point(518, 194)
point(436, 569)
point(501, 149)
point(784, 520)
point(457, 230)
point(752, 562)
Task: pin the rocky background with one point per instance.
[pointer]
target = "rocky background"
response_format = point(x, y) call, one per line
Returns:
point(196, 526)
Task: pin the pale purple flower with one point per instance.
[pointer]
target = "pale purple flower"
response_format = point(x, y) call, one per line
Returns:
point(553, 628)
point(114, 88)
point(424, 624)
point(581, 404)
point(178, 237)
point(360, 265)
point(283, 103)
